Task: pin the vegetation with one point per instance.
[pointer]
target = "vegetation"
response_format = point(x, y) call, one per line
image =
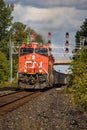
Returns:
point(4, 68)
point(5, 23)
point(77, 81)
point(82, 32)
point(20, 33)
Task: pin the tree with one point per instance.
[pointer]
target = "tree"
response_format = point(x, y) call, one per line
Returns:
point(83, 30)
point(5, 23)
point(5, 18)
point(18, 32)
point(78, 79)
point(4, 68)
point(81, 33)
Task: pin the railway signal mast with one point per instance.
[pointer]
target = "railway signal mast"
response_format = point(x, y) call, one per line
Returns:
point(49, 38)
point(67, 43)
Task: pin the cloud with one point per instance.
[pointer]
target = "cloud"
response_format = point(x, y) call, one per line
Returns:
point(49, 18)
point(55, 16)
point(63, 16)
point(81, 4)
point(50, 15)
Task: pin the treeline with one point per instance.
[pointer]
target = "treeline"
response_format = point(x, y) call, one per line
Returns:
point(16, 32)
point(77, 82)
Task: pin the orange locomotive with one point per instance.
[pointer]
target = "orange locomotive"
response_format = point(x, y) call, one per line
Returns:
point(35, 66)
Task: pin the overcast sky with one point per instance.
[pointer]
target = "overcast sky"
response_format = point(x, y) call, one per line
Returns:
point(55, 16)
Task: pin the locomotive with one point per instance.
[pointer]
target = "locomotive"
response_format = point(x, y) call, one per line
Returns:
point(35, 66)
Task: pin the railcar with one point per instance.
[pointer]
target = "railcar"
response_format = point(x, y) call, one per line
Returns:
point(35, 66)
point(59, 78)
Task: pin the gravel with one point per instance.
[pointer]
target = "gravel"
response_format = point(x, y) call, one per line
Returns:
point(50, 111)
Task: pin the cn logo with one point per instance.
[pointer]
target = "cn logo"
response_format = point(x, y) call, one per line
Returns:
point(32, 64)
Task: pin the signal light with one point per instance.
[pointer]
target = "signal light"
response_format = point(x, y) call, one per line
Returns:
point(32, 35)
point(67, 50)
point(67, 35)
point(49, 42)
point(49, 35)
point(67, 43)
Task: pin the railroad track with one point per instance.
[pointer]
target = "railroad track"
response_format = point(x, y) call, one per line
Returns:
point(12, 101)
point(8, 92)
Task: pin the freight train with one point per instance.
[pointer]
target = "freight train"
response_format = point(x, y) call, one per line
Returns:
point(59, 78)
point(35, 66)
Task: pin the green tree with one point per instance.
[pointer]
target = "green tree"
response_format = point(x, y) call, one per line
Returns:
point(5, 18)
point(4, 68)
point(5, 23)
point(78, 79)
point(38, 37)
point(18, 32)
point(81, 32)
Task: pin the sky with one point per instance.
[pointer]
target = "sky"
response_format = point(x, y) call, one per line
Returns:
point(55, 16)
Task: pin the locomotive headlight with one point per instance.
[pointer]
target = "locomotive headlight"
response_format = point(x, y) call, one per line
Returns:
point(40, 70)
point(25, 70)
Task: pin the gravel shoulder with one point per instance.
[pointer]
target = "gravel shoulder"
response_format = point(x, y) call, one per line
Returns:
point(50, 111)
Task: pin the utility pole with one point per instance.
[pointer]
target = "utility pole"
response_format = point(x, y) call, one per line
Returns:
point(10, 57)
point(13, 49)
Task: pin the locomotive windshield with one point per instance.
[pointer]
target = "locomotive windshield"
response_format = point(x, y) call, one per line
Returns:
point(24, 51)
point(41, 51)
